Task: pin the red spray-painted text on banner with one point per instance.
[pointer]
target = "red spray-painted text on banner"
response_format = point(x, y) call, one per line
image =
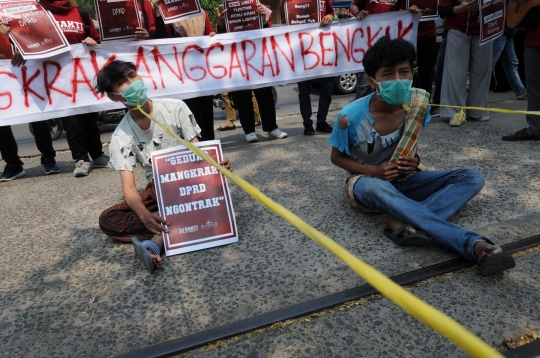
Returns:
point(194, 198)
point(192, 67)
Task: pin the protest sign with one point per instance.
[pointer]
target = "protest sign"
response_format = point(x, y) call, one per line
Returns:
point(429, 8)
point(33, 29)
point(492, 18)
point(299, 12)
point(6, 50)
point(176, 10)
point(195, 66)
point(117, 19)
point(242, 15)
point(194, 198)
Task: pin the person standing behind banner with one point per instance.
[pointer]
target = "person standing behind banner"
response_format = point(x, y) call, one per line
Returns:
point(426, 42)
point(464, 55)
point(265, 98)
point(203, 106)
point(532, 79)
point(326, 84)
point(231, 113)
point(153, 25)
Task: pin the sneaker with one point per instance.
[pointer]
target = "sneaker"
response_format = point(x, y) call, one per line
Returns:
point(277, 134)
point(82, 168)
point(457, 120)
point(323, 128)
point(101, 162)
point(12, 172)
point(434, 112)
point(252, 137)
point(309, 130)
point(51, 167)
point(481, 119)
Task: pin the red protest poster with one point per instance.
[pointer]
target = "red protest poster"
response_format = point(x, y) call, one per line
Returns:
point(242, 15)
point(176, 10)
point(194, 198)
point(429, 8)
point(299, 12)
point(117, 19)
point(33, 29)
point(6, 50)
point(492, 18)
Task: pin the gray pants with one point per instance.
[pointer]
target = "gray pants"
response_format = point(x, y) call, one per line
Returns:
point(464, 55)
point(532, 75)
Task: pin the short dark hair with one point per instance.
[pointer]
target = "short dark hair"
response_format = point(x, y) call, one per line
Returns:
point(112, 73)
point(388, 53)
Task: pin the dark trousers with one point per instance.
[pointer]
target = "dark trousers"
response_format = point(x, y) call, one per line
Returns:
point(532, 76)
point(203, 110)
point(8, 146)
point(42, 134)
point(425, 59)
point(83, 136)
point(325, 98)
point(244, 103)
point(438, 72)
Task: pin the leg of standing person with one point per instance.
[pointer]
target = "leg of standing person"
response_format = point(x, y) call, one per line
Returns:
point(510, 64)
point(76, 138)
point(437, 78)
point(362, 86)
point(244, 103)
point(93, 140)
point(480, 67)
point(267, 109)
point(204, 118)
point(8, 151)
point(42, 135)
point(230, 114)
point(454, 83)
point(426, 61)
point(304, 99)
point(256, 113)
point(325, 99)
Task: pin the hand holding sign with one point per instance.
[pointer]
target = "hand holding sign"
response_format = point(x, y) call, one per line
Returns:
point(466, 6)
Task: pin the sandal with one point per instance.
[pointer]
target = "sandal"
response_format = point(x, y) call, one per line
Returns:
point(228, 128)
point(417, 239)
point(493, 264)
point(141, 250)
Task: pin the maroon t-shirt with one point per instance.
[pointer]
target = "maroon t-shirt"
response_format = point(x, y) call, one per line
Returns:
point(466, 22)
point(426, 29)
point(73, 26)
point(532, 38)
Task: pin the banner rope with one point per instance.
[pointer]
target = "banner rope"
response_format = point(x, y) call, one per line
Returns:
point(419, 309)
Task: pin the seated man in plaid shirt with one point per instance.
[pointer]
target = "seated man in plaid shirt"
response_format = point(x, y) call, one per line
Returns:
point(374, 140)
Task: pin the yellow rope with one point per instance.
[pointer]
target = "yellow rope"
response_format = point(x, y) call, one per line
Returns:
point(419, 309)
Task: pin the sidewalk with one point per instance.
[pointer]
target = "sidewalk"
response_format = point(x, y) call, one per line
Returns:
point(70, 291)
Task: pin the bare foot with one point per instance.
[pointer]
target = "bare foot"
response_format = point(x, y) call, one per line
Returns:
point(156, 259)
point(480, 246)
point(393, 224)
point(227, 124)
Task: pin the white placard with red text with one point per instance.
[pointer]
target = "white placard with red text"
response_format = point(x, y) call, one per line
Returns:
point(192, 67)
point(194, 198)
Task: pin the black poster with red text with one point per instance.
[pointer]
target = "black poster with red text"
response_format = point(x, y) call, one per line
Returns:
point(242, 15)
point(300, 12)
point(117, 19)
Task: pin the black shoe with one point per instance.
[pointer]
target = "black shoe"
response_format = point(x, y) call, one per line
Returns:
point(51, 167)
point(12, 172)
point(309, 130)
point(323, 128)
point(434, 112)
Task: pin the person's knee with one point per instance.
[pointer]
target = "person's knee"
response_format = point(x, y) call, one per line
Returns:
point(475, 178)
point(105, 223)
point(372, 188)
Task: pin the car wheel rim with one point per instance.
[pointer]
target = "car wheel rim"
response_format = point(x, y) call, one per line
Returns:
point(347, 82)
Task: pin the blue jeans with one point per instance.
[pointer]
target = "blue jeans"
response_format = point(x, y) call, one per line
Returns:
point(503, 47)
point(426, 200)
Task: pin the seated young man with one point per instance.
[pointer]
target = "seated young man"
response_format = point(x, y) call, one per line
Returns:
point(137, 219)
point(368, 141)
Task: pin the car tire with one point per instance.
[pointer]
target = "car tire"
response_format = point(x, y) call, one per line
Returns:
point(346, 83)
point(55, 127)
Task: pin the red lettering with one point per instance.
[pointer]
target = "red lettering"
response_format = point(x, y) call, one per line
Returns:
point(346, 46)
point(276, 46)
point(234, 55)
point(387, 32)
point(200, 50)
point(304, 51)
point(266, 56)
point(93, 60)
point(402, 32)
point(356, 50)
point(142, 58)
point(371, 39)
point(212, 46)
point(246, 59)
point(7, 94)
point(26, 85)
point(49, 85)
point(158, 56)
point(325, 49)
point(77, 66)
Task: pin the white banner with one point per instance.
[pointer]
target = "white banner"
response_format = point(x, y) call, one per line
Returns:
point(191, 67)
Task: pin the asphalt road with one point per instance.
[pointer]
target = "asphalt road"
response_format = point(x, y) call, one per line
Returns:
point(287, 105)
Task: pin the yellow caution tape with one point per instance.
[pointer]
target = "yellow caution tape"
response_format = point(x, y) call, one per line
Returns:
point(419, 309)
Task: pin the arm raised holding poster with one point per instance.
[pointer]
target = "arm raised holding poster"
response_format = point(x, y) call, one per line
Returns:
point(137, 219)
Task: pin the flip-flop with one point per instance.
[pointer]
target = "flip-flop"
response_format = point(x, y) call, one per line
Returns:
point(495, 263)
point(258, 124)
point(141, 250)
point(230, 128)
point(417, 239)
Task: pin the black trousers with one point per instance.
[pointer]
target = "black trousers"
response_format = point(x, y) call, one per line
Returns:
point(203, 110)
point(244, 103)
point(425, 59)
point(325, 98)
point(83, 136)
point(9, 149)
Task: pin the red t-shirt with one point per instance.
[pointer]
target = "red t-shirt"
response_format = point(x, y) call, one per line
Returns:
point(151, 25)
point(73, 26)
point(466, 22)
point(326, 8)
point(208, 28)
point(532, 38)
point(426, 30)
point(382, 6)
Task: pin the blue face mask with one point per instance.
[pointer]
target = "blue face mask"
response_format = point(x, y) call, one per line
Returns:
point(135, 93)
point(394, 92)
